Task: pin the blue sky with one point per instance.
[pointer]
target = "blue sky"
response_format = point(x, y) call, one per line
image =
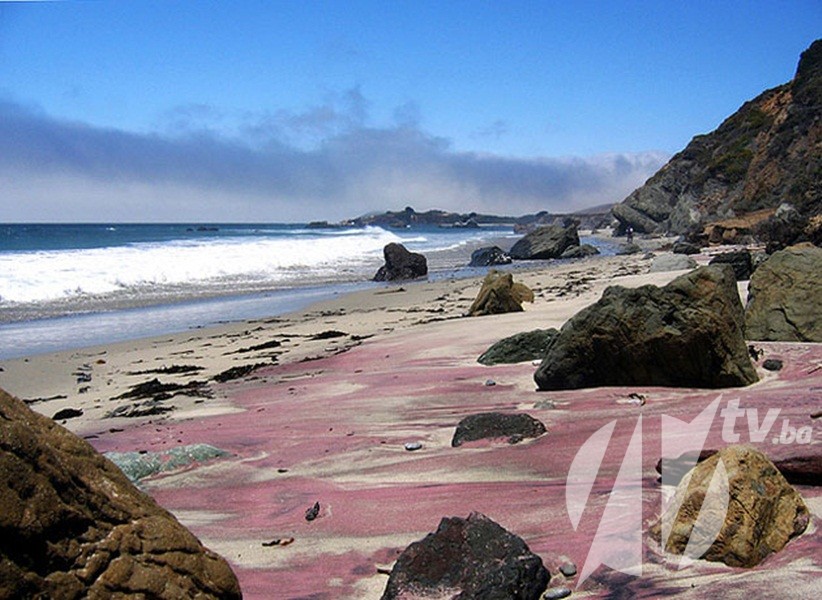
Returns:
point(274, 110)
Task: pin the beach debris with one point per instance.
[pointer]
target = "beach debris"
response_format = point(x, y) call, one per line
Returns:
point(171, 370)
point(473, 555)
point(686, 334)
point(279, 542)
point(312, 512)
point(495, 425)
point(545, 405)
point(411, 446)
point(257, 347)
point(500, 294)
point(522, 347)
point(83, 377)
point(763, 511)
point(783, 297)
point(238, 372)
point(158, 390)
point(60, 486)
point(754, 352)
point(401, 264)
point(67, 413)
point(555, 593)
point(328, 335)
point(633, 398)
point(772, 364)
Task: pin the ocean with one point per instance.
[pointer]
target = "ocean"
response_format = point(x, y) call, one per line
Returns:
point(67, 286)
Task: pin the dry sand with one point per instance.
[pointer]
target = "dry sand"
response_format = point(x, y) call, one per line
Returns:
point(326, 419)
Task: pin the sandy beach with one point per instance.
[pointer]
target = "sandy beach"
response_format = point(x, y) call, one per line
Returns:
point(317, 406)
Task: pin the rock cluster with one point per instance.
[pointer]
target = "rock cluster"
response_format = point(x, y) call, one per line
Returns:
point(785, 297)
point(763, 511)
point(686, 334)
point(500, 294)
point(473, 558)
point(73, 526)
point(401, 264)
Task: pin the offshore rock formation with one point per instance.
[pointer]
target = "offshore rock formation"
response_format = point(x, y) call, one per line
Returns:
point(686, 334)
point(763, 511)
point(473, 558)
point(73, 526)
point(785, 297)
point(766, 153)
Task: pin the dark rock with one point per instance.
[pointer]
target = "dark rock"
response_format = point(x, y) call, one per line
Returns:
point(499, 294)
point(147, 408)
point(329, 335)
point(786, 227)
point(762, 155)
point(496, 425)
point(686, 334)
point(489, 257)
point(312, 512)
point(685, 248)
point(581, 251)
point(469, 559)
point(763, 511)
point(400, 264)
point(73, 526)
point(772, 364)
point(67, 413)
point(530, 345)
point(546, 242)
point(784, 297)
point(739, 260)
point(238, 372)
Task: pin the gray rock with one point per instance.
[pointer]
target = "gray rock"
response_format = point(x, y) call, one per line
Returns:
point(546, 242)
point(494, 425)
point(785, 297)
point(686, 334)
point(568, 569)
point(682, 247)
point(489, 257)
point(473, 558)
point(628, 248)
point(139, 465)
point(556, 592)
point(672, 262)
point(581, 251)
point(400, 264)
point(522, 347)
point(772, 364)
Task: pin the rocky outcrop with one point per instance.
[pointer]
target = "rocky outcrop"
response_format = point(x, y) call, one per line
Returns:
point(763, 511)
point(546, 242)
point(764, 154)
point(686, 334)
point(400, 264)
point(73, 526)
point(489, 257)
point(469, 559)
point(785, 297)
point(500, 294)
point(740, 261)
point(490, 426)
point(529, 345)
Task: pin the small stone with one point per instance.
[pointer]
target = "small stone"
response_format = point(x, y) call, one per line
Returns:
point(556, 592)
point(312, 512)
point(67, 413)
point(411, 446)
point(772, 364)
point(568, 569)
point(490, 382)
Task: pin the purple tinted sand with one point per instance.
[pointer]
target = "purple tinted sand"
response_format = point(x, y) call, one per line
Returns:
point(333, 431)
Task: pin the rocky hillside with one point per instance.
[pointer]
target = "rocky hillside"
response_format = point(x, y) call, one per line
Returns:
point(767, 153)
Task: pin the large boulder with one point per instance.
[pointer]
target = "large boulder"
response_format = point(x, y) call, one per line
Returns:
point(521, 347)
point(500, 294)
point(581, 251)
point(686, 334)
point(468, 559)
point(73, 526)
point(749, 513)
point(740, 261)
point(489, 257)
point(514, 427)
point(401, 264)
point(546, 242)
point(785, 297)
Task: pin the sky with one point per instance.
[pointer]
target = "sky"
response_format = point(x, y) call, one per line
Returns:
point(263, 111)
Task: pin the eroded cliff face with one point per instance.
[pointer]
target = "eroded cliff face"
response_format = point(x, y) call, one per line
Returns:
point(767, 153)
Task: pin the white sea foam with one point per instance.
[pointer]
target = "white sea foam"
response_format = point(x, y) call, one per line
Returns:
point(64, 274)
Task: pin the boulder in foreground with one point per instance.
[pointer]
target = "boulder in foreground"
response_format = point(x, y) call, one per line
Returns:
point(73, 526)
point(763, 511)
point(468, 559)
point(785, 297)
point(500, 294)
point(488, 426)
point(686, 334)
point(546, 242)
point(521, 347)
point(401, 264)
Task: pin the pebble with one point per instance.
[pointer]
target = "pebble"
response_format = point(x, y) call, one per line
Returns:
point(490, 382)
point(411, 446)
point(772, 364)
point(568, 569)
point(557, 592)
point(312, 512)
